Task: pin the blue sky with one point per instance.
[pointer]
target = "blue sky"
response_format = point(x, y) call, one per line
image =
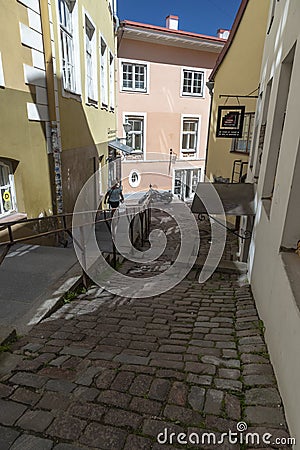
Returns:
point(198, 16)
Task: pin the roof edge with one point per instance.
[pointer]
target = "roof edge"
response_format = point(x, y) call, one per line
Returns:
point(235, 26)
point(125, 23)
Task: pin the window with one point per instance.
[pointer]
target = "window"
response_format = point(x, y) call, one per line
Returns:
point(134, 178)
point(185, 182)
point(90, 56)
point(243, 143)
point(103, 69)
point(7, 194)
point(134, 77)
point(135, 138)
point(189, 135)
point(192, 82)
point(67, 43)
point(111, 81)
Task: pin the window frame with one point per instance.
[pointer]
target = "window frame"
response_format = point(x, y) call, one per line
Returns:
point(143, 117)
point(189, 153)
point(73, 91)
point(8, 186)
point(134, 63)
point(91, 99)
point(193, 70)
point(235, 141)
point(104, 89)
point(111, 76)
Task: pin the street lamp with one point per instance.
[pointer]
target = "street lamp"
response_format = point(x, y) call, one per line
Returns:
point(127, 128)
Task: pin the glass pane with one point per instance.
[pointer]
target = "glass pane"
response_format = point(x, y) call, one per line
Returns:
point(187, 81)
point(185, 141)
point(138, 142)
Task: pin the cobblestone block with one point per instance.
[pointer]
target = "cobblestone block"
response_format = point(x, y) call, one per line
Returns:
point(10, 412)
point(7, 437)
point(131, 359)
point(104, 380)
point(5, 391)
point(159, 389)
point(183, 415)
point(166, 356)
point(169, 373)
point(205, 380)
point(87, 377)
point(264, 415)
point(232, 407)
point(54, 400)
point(213, 402)
point(134, 442)
point(196, 397)
point(178, 394)
point(153, 427)
point(66, 427)
point(122, 381)
point(203, 369)
point(121, 418)
point(232, 374)
point(262, 396)
point(85, 394)
point(114, 398)
point(259, 380)
point(219, 424)
point(257, 369)
point(28, 379)
point(232, 385)
point(60, 386)
point(87, 411)
point(103, 436)
point(172, 348)
point(23, 395)
point(35, 420)
point(177, 365)
point(141, 385)
point(75, 351)
point(145, 406)
point(29, 442)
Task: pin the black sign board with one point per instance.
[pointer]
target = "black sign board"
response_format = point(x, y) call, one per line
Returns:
point(230, 121)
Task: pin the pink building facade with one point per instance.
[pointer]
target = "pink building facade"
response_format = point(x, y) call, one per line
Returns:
point(162, 94)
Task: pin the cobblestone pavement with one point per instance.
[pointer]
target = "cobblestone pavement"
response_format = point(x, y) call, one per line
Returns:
point(110, 373)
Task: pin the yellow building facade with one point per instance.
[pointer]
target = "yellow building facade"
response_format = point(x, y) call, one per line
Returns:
point(234, 82)
point(57, 101)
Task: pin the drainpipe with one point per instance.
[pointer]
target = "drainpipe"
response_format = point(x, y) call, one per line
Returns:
point(55, 150)
point(210, 86)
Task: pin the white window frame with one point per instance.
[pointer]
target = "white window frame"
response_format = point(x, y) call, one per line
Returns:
point(91, 96)
point(111, 81)
point(140, 115)
point(8, 187)
point(134, 63)
point(103, 72)
point(185, 169)
point(193, 70)
point(136, 183)
point(190, 154)
point(2, 81)
point(75, 90)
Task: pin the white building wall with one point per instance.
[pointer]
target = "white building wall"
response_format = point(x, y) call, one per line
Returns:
point(275, 272)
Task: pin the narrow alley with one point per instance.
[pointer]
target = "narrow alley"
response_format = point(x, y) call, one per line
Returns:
point(105, 372)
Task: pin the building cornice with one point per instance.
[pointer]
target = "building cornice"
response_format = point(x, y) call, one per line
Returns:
point(165, 36)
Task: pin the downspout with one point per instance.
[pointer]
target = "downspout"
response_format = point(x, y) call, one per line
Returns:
point(210, 86)
point(55, 144)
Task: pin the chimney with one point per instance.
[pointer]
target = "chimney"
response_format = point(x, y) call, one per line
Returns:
point(223, 34)
point(172, 22)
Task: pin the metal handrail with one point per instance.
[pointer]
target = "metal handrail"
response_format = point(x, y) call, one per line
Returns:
point(67, 229)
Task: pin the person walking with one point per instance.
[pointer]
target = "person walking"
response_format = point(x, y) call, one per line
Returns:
point(114, 195)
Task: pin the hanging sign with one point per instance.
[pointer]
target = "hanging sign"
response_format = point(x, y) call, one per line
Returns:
point(230, 121)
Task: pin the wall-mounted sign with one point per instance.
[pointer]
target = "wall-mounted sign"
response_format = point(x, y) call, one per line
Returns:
point(230, 121)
